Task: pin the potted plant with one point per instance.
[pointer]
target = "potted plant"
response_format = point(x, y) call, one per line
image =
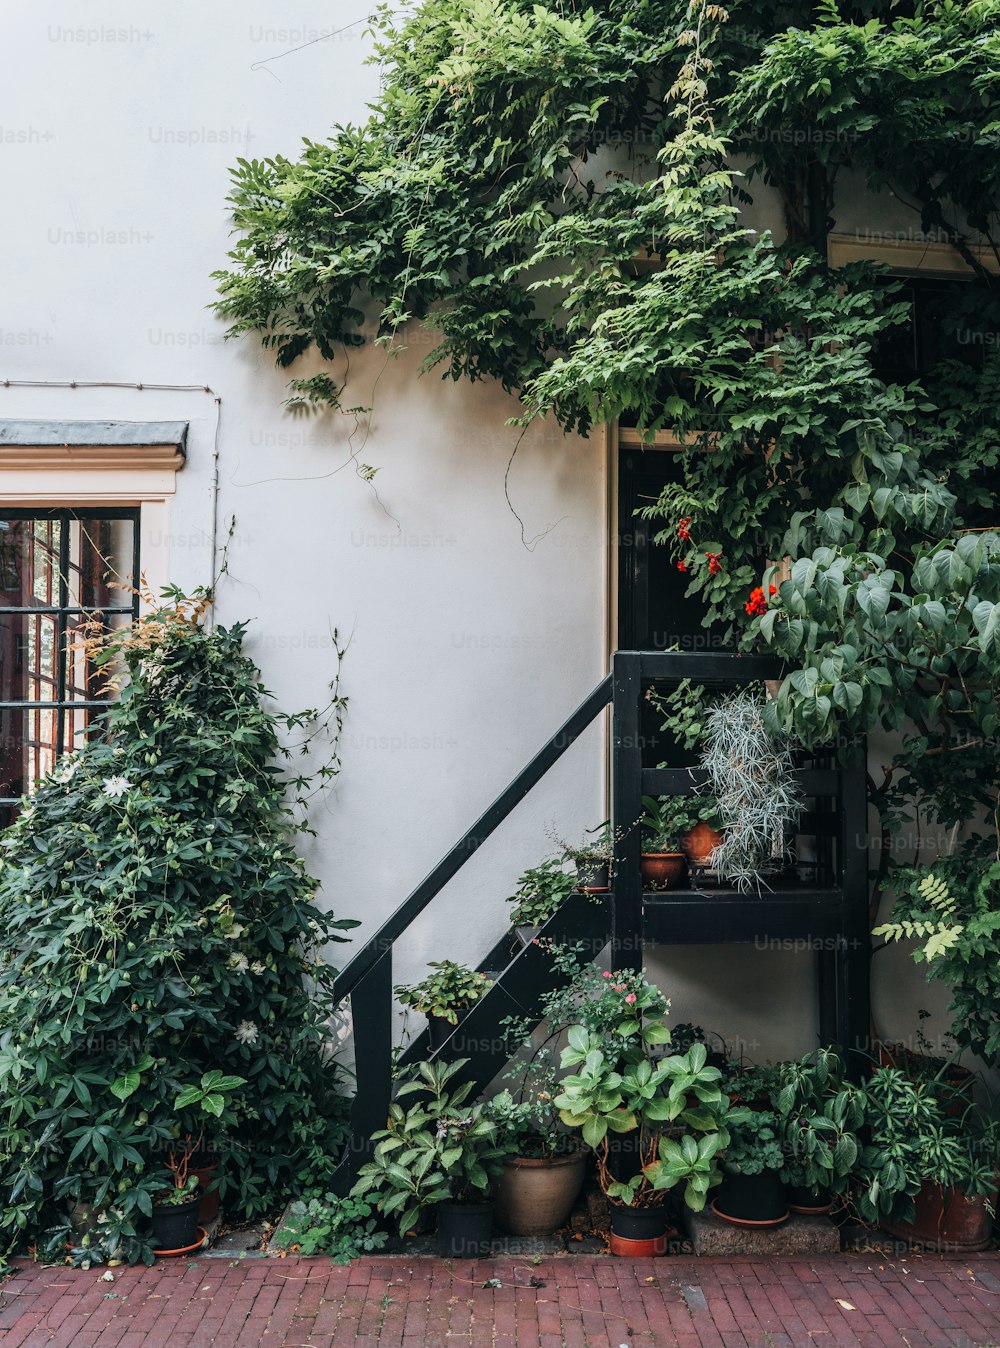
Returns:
point(541, 892)
point(592, 858)
point(176, 1204)
point(819, 1116)
point(925, 1175)
point(439, 1153)
point(705, 836)
point(544, 1171)
point(752, 1192)
point(444, 997)
point(543, 1175)
point(751, 775)
point(669, 1109)
point(665, 824)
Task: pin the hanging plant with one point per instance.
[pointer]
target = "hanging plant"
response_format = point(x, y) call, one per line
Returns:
point(751, 776)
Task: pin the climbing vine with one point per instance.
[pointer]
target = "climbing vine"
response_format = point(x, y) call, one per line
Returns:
point(554, 191)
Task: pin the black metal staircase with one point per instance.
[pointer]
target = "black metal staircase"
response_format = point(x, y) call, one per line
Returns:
point(829, 915)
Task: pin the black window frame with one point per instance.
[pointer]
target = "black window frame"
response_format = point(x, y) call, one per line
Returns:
point(63, 610)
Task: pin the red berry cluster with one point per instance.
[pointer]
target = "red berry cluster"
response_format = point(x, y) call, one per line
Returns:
point(684, 529)
point(714, 563)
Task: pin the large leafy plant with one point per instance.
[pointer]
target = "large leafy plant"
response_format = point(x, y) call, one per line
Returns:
point(438, 1149)
point(820, 1116)
point(619, 1084)
point(161, 955)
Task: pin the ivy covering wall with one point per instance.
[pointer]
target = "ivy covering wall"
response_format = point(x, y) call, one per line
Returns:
point(518, 161)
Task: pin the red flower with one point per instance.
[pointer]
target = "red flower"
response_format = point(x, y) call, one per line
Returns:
point(757, 604)
point(684, 529)
point(682, 566)
point(772, 589)
point(714, 563)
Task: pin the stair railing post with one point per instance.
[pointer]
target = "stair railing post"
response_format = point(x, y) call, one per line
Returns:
point(371, 1015)
point(626, 809)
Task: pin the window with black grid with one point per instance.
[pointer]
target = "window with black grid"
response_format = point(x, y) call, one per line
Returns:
point(59, 569)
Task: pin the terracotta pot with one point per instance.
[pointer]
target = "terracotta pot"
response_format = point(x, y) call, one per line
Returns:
point(535, 1195)
point(700, 843)
point(661, 870)
point(207, 1177)
point(638, 1233)
point(946, 1220)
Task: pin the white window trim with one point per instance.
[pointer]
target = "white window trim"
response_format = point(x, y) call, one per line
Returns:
point(90, 476)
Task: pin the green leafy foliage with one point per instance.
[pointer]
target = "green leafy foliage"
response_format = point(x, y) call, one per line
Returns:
point(540, 893)
point(440, 1148)
point(915, 1137)
point(161, 968)
point(951, 913)
point(451, 988)
point(344, 1228)
point(620, 1083)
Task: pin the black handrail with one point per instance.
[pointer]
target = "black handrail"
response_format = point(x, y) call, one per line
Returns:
point(473, 839)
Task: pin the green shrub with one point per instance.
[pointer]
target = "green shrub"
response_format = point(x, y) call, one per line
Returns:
point(344, 1228)
point(157, 926)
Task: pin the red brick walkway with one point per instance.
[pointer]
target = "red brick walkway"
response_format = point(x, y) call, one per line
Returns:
point(576, 1302)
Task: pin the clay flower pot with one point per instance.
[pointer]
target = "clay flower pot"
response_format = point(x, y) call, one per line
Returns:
point(535, 1194)
point(945, 1219)
point(700, 843)
point(661, 870)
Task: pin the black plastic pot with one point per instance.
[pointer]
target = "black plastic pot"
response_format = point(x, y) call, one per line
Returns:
point(805, 1200)
point(465, 1230)
point(638, 1223)
point(439, 1031)
point(593, 876)
point(752, 1199)
point(175, 1226)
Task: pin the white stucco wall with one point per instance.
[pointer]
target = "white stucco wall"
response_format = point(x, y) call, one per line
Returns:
point(118, 124)
point(467, 649)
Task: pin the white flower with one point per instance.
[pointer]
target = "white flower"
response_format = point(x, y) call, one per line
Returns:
point(256, 967)
point(116, 786)
point(64, 772)
point(240, 963)
point(246, 1032)
point(235, 932)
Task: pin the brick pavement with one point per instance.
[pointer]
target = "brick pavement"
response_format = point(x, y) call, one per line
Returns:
point(578, 1302)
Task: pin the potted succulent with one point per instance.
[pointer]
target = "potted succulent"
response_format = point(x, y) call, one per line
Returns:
point(665, 824)
point(543, 1173)
point(444, 997)
point(752, 1193)
point(541, 892)
point(669, 1110)
point(926, 1175)
point(440, 1153)
point(819, 1115)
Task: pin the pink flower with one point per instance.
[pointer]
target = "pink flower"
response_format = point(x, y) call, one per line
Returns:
point(606, 974)
point(630, 997)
